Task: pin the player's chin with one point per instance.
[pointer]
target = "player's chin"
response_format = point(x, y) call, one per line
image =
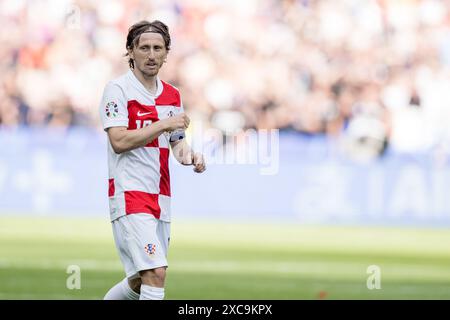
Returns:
point(150, 72)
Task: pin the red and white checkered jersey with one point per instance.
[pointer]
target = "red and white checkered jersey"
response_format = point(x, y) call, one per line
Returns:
point(139, 179)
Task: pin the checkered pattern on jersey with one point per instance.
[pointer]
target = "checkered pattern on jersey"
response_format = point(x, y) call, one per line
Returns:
point(145, 179)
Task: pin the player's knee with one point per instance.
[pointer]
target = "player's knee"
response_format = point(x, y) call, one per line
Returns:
point(160, 273)
point(154, 277)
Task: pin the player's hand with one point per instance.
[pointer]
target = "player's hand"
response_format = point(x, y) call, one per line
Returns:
point(199, 162)
point(180, 121)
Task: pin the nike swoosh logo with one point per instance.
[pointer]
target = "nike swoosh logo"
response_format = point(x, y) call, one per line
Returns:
point(143, 114)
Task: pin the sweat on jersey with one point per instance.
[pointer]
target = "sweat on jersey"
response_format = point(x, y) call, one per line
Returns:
point(139, 180)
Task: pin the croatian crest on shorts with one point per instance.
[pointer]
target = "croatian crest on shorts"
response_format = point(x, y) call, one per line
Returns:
point(111, 109)
point(150, 249)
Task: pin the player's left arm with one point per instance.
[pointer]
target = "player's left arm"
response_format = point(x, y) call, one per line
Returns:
point(186, 156)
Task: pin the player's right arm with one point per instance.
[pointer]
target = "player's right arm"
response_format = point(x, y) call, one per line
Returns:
point(123, 140)
point(114, 116)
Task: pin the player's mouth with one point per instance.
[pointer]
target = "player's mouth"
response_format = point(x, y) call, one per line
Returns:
point(151, 64)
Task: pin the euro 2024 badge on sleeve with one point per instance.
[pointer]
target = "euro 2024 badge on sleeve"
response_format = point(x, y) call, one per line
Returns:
point(111, 109)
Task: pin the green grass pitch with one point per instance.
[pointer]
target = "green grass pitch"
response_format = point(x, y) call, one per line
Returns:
point(229, 261)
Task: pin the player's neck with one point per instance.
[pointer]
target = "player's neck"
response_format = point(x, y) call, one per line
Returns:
point(149, 82)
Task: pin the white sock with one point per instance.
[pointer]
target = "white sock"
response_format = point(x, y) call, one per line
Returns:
point(151, 293)
point(121, 291)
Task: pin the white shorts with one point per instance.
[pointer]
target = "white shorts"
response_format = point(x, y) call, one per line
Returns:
point(142, 242)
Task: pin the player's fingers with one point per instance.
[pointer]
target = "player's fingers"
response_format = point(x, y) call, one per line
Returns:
point(198, 159)
point(200, 165)
point(190, 158)
point(186, 158)
point(199, 169)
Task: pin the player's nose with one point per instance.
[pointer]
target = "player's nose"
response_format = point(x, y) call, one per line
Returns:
point(151, 55)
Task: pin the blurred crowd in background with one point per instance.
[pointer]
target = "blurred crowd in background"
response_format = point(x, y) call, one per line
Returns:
point(372, 73)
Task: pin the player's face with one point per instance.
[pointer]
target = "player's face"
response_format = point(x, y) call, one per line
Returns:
point(149, 54)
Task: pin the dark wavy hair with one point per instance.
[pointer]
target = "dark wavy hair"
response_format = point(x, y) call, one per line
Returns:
point(135, 31)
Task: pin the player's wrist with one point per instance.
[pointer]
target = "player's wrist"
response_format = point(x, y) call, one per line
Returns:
point(163, 126)
point(168, 126)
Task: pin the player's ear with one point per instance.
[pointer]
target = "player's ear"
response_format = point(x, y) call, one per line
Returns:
point(130, 53)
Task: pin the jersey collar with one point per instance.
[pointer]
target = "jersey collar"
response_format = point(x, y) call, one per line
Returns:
point(141, 87)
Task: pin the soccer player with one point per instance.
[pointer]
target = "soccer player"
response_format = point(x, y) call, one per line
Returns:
point(142, 116)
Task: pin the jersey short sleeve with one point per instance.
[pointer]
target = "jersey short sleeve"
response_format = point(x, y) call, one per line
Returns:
point(113, 107)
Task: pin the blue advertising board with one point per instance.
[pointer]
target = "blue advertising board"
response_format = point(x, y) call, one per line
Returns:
point(50, 172)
